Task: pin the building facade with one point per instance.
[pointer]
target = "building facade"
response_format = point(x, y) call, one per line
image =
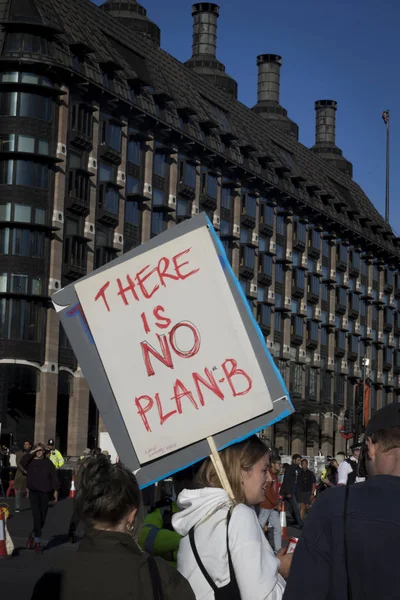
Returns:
point(106, 141)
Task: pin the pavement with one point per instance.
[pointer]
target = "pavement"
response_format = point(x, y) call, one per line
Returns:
point(19, 573)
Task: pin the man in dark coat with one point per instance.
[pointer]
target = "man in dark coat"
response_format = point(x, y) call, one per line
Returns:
point(289, 487)
point(20, 479)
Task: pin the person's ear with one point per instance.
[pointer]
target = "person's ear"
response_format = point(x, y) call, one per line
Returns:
point(371, 449)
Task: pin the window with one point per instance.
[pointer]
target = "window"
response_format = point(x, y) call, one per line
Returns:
point(280, 225)
point(22, 213)
point(325, 292)
point(21, 239)
point(158, 197)
point(6, 172)
point(31, 174)
point(8, 104)
point(36, 286)
point(265, 264)
point(35, 106)
point(187, 172)
point(312, 330)
point(324, 337)
point(109, 199)
point(278, 322)
point(26, 143)
point(3, 282)
point(7, 142)
point(82, 119)
point(27, 43)
point(38, 244)
point(326, 248)
point(134, 152)
point(44, 147)
point(209, 184)
point(17, 319)
point(159, 222)
point(249, 205)
point(299, 278)
point(4, 240)
point(106, 172)
point(249, 254)
point(183, 208)
point(263, 243)
point(279, 276)
point(132, 185)
point(160, 165)
point(264, 312)
point(261, 293)
point(226, 198)
point(19, 284)
point(225, 227)
point(111, 134)
point(132, 212)
point(299, 232)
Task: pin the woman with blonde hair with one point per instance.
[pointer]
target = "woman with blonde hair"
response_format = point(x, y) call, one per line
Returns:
point(223, 552)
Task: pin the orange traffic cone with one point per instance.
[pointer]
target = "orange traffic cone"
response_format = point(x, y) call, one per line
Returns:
point(3, 547)
point(283, 521)
point(72, 490)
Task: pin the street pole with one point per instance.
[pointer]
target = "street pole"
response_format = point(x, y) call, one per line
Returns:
point(386, 119)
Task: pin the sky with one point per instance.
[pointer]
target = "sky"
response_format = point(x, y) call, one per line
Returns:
point(346, 51)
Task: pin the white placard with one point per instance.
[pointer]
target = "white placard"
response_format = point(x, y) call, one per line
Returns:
point(173, 345)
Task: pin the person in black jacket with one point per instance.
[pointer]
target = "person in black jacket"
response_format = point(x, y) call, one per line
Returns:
point(351, 538)
point(289, 487)
point(42, 482)
point(109, 563)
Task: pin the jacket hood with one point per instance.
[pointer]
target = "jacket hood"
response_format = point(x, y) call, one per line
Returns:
point(197, 505)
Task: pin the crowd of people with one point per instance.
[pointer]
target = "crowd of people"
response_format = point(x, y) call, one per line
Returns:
point(196, 542)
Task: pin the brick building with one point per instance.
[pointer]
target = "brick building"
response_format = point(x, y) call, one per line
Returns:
point(106, 141)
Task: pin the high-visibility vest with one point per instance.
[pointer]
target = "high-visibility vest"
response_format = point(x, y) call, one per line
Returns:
point(157, 536)
point(56, 458)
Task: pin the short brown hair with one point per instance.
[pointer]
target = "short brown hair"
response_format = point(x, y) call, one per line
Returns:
point(236, 458)
point(388, 439)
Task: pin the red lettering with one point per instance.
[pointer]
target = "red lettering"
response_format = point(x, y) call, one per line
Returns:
point(143, 410)
point(130, 288)
point(165, 357)
point(163, 417)
point(181, 394)
point(180, 266)
point(145, 322)
point(210, 384)
point(162, 269)
point(196, 344)
point(232, 373)
point(102, 294)
point(165, 322)
point(140, 281)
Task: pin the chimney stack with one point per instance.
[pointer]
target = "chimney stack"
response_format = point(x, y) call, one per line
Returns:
point(325, 136)
point(205, 16)
point(269, 75)
point(204, 48)
point(268, 88)
point(133, 15)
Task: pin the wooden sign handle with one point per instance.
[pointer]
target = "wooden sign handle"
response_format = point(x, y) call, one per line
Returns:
point(219, 467)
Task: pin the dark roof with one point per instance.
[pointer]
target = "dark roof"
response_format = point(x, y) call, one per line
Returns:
point(325, 191)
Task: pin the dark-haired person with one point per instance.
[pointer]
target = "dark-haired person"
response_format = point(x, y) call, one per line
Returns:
point(42, 481)
point(350, 540)
point(289, 487)
point(157, 536)
point(20, 480)
point(109, 565)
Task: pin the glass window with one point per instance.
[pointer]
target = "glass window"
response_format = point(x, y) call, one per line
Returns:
point(244, 235)
point(26, 42)
point(40, 216)
point(8, 104)
point(29, 78)
point(263, 243)
point(7, 142)
point(212, 185)
point(44, 147)
point(225, 227)
point(6, 172)
point(278, 322)
point(226, 198)
point(280, 225)
point(251, 205)
point(134, 152)
point(3, 282)
point(132, 212)
point(22, 213)
point(25, 172)
point(160, 164)
point(159, 222)
point(114, 133)
point(4, 240)
point(37, 286)
point(110, 200)
point(183, 208)
point(158, 197)
point(279, 273)
point(75, 160)
point(10, 77)
point(189, 174)
point(21, 242)
point(38, 244)
point(132, 185)
point(42, 176)
point(26, 143)
point(106, 172)
point(17, 319)
point(35, 322)
point(19, 283)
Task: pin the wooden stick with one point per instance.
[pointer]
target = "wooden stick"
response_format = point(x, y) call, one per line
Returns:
point(219, 467)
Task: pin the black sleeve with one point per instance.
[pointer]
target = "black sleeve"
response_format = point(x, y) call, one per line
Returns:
point(286, 489)
point(175, 585)
point(26, 460)
point(48, 587)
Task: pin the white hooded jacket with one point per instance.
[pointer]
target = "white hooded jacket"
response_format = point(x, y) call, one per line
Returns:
point(256, 566)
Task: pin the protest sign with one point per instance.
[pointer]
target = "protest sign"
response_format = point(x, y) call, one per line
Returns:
point(170, 333)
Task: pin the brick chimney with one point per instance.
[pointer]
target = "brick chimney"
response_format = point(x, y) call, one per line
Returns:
point(325, 136)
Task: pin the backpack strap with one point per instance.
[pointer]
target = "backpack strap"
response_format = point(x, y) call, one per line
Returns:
point(156, 583)
point(200, 564)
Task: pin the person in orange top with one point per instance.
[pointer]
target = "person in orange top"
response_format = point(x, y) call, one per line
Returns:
point(269, 509)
